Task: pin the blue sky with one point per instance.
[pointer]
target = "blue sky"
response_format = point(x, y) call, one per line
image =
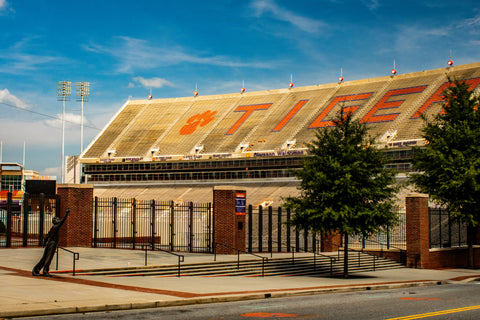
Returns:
point(127, 48)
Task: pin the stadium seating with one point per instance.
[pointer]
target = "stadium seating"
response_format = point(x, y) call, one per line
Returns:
point(256, 124)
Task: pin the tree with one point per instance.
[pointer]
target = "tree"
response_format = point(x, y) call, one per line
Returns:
point(448, 169)
point(344, 187)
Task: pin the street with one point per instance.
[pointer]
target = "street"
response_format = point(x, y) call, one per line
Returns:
point(452, 301)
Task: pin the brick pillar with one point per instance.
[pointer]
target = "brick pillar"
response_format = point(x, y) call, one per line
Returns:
point(229, 218)
point(78, 228)
point(331, 242)
point(418, 230)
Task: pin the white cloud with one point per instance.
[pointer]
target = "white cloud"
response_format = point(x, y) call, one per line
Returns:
point(306, 24)
point(372, 4)
point(153, 82)
point(4, 7)
point(7, 97)
point(16, 59)
point(70, 120)
point(413, 37)
point(54, 172)
point(137, 54)
point(472, 22)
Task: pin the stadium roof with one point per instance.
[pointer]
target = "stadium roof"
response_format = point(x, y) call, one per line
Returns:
point(273, 120)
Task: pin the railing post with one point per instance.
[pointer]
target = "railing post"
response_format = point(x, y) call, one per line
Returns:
point(288, 230)
point(263, 267)
point(172, 225)
point(210, 225)
point(115, 222)
point(279, 229)
point(56, 259)
point(314, 242)
point(42, 218)
point(388, 237)
point(297, 240)
point(134, 222)
point(25, 218)
point(305, 240)
point(152, 221)
point(190, 226)
point(179, 266)
point(9, 220)
point(95, 222)
point(270, 222)
point(250, 227)
point(260, 229)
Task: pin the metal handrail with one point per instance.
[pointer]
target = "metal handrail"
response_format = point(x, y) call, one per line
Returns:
point(332, 259)
point(238, 255)
point(352, 250)
point(403, 252)
point(76, 256)
point(181, 258)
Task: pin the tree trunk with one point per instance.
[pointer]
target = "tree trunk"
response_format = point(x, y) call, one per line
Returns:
point(345, 257)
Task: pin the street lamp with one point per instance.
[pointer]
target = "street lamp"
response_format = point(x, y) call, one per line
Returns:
point(64, 90)
point(82, 91)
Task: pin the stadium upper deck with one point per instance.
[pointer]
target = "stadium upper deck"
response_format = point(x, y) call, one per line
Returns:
point(271, 123)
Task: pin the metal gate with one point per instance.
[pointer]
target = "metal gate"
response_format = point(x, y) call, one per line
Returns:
point(169, 225)
point(25, 220)
point(446, 232)
point(268, 231)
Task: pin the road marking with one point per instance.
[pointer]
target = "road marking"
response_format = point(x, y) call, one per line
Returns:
point(430, 299)
point(270, 315)
point(263, 307)
point(437, 313)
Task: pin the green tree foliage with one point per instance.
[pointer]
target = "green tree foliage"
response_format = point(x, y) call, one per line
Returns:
point(344, 187)
point(449, 166)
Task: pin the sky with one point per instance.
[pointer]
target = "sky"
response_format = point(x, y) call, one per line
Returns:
point(127, 49)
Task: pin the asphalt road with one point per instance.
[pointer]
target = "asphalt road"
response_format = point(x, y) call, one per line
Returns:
point(452, 301)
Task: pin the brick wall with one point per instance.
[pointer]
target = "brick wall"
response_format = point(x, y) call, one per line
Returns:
point(78, 228)
point(229, 227)
point(331, 242)
point(419, 254)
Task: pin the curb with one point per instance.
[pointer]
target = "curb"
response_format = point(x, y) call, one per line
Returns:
point(212, 299)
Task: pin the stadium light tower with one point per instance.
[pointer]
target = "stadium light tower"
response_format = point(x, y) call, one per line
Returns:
point(64, 90)
point(82, 91)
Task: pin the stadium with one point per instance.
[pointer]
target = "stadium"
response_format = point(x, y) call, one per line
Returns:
point(179, 148)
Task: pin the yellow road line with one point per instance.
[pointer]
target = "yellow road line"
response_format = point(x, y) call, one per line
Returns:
point(437, 313)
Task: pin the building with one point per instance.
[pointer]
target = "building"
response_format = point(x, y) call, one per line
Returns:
point(179, 148)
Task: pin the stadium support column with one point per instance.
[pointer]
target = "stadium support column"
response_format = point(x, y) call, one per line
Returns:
point(78, 228)
point(229, 205)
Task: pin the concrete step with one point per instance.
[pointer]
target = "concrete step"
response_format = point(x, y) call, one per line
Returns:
point(253, 267)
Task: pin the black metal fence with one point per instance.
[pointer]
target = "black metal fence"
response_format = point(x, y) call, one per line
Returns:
point(130, 223)
point(268, 231)
point(23, 223)
point(446, 232)
point(394, 237)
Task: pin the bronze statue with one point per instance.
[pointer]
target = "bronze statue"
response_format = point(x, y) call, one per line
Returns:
point(51, 243)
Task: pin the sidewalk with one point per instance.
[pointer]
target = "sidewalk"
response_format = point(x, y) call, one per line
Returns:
point(21, 294)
